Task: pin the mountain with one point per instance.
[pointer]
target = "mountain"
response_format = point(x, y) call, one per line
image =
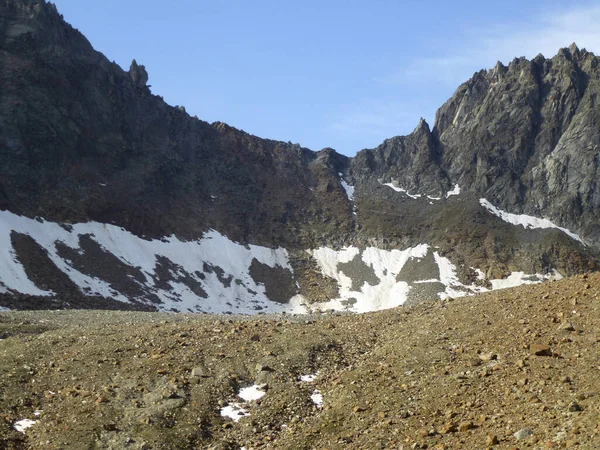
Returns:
point(110, 198)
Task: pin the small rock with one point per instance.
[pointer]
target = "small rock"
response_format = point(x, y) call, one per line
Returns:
point(492, 439)
point(540, 350)
point(523, 433)
point(489, 356)
point(566, 326)
point(263, 368)
point(200, 372)
point(575, 407)
point(449, 427)
point(466, 426)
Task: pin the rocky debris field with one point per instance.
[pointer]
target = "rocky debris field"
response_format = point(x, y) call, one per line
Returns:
point(512, 369)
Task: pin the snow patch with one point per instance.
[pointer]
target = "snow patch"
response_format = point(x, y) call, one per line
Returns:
point(24, 424)
point(241, 295)
point(402, 190)
point(349, 189)
point(480, 274)
point(528, 222)
point(386, 264)
point(308, 378)
point(520, 278)
point(317, 398)
point(455, 191)
point(234, 411)
point(251, 393)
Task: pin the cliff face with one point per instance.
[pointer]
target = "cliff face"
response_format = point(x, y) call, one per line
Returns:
point(527, 136)
point(83, 140)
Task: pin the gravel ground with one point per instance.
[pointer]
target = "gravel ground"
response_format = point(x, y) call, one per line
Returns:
point(508, 369)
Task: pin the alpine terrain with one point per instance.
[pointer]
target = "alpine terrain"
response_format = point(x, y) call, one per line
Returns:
point(111, 199)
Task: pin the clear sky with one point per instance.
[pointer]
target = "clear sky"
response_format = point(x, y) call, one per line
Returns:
point(342, 74)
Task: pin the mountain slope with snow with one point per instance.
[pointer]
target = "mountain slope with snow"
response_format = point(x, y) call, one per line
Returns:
point(110, 197)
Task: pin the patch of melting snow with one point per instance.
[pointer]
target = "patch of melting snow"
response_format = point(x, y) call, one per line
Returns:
point(519, 278)
point(317, 398)
point(234, 411)
point(480, 274)
point(386, 265)
point(309, 378)
point(455, 191)
point(528, 222)
point(242, 295)
point(251, 393)
point(348, 188)
point(402, 190)
point(24, 424)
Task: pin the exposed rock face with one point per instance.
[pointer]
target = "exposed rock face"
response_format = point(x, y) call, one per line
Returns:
point(138, 74)
point(526, 136)
point(83, 140)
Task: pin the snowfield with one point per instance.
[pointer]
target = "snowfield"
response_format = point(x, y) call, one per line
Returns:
point(213, 274)
point(227, 281)
point(528, 222)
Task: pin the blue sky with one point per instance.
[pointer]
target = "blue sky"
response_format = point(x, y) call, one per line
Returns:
point(342, 74)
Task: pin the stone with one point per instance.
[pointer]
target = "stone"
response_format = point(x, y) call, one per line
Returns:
point(449, 427)
point(466, 426)
point(489, 356)
point(566, 326)
point(491, 439)
point(523, 433)
point(200, 372)
point(575, 407)
point(540, 350)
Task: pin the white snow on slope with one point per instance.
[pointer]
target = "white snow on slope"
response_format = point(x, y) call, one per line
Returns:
point(386, 264)
point(309, 378)
point(526, 221)
point(454, 288)
point(455, 191)
point(242, 295)
point(519, 278)
point(234, 411)
point(402, 190)
point(349, 189)
point(251, 393)
point(390, 292)
point(317, 398)
point(24, 424)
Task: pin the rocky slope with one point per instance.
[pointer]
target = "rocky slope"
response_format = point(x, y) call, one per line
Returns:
point(89, 151)
point(510, 369)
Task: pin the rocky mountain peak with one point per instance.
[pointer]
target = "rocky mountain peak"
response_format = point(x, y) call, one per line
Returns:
point(138, 74)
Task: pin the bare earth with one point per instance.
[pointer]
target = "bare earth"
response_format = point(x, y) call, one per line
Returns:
point(459, 374)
